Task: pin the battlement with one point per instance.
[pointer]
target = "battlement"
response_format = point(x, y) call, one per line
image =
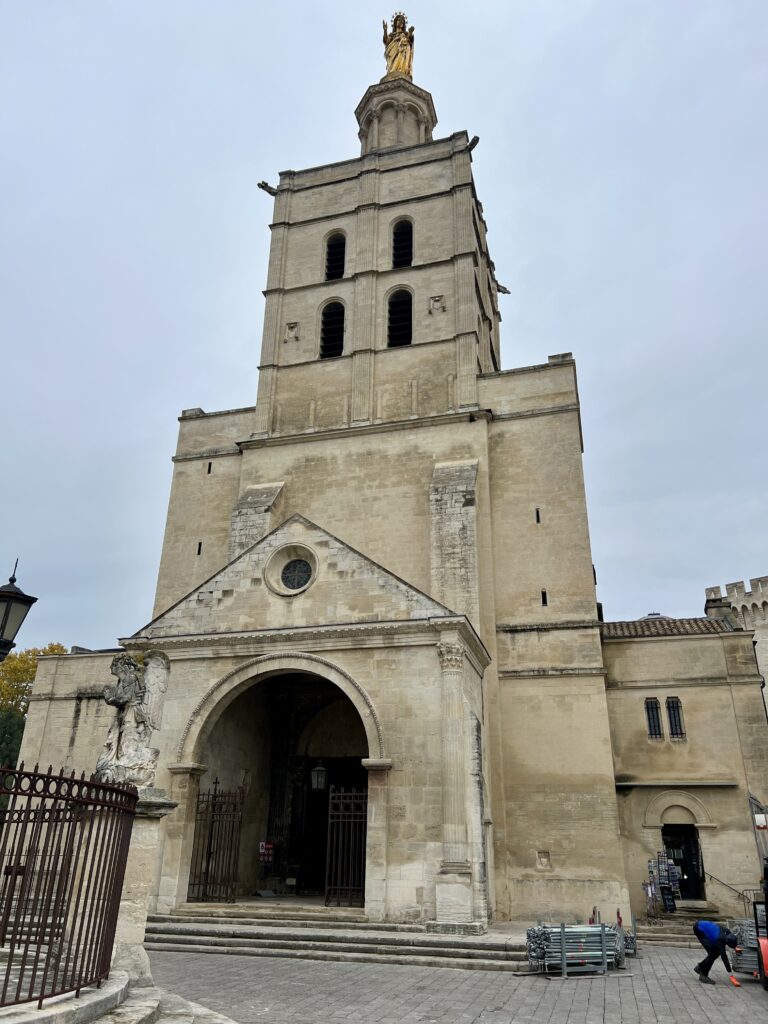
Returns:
point(751, 605)
point(758, 590)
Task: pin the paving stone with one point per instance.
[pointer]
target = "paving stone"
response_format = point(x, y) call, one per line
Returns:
point(659, 987)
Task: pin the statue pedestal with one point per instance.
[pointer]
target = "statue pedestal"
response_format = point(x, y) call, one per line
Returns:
point(140, 882)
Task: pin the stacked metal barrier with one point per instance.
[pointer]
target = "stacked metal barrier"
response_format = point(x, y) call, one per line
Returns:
point(745, 962)
point(575, 949)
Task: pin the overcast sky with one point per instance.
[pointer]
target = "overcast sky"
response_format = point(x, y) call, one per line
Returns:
point(622, 167)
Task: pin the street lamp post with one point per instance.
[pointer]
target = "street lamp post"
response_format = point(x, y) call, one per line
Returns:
point(14, 605)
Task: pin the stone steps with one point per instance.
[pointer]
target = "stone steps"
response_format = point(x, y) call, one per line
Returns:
point(175, 1009)
point(141, 1007)
point(287, 921)
point(263, 911)
point(358, 957)
point(669, 933)
point(356, 945)
point(94, 1004)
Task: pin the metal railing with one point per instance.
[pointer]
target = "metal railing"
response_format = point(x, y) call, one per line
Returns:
point(63, 850)
point(747, 896)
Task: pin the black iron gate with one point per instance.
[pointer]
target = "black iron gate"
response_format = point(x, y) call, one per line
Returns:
point(216, 850)
point(345, 866)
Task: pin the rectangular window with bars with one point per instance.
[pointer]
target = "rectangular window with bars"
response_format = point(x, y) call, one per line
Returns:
point(653, 717)
point(675, 716)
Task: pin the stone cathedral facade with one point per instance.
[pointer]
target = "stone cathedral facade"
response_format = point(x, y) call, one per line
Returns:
point(376, 586)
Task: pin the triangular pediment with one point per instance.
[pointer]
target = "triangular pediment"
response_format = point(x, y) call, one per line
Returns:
point(266, 587)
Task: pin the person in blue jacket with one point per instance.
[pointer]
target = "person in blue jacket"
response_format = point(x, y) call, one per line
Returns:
point(714, 938)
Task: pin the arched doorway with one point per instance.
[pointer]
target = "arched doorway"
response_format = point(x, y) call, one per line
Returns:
point(291, 745)
point(680, 838)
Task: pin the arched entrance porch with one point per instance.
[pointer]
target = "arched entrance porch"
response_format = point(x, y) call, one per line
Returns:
point(292, 747)
point(264, 726)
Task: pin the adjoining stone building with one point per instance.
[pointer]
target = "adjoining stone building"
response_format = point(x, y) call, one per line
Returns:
point(747, 609)
point(383, 570)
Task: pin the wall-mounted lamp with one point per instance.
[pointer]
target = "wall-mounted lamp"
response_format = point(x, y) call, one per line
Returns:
point(319, 777)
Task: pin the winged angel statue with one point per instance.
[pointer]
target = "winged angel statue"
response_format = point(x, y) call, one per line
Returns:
point(138, 696)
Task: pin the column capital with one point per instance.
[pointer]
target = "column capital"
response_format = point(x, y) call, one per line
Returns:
point(451, 656)
point(377, 764)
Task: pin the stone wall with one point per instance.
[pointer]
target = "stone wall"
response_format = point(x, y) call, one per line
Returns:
point(709, 773)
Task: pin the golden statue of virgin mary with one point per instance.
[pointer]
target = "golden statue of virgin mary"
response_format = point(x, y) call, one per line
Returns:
point(398, 47)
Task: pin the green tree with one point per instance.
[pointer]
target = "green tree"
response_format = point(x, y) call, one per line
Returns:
point(11, 731)
point(17, 673)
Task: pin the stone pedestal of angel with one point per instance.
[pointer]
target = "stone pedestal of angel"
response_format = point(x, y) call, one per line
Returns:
point(138, 696)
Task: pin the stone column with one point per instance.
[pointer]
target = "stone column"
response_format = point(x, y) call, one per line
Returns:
point(454, 883)
point(139, 885)
point(265, 401)
point(179, 836)
point(374, 132)
point(376, 838)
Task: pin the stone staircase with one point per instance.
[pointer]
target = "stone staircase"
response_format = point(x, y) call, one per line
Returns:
point(674, 929)
point(337, 935)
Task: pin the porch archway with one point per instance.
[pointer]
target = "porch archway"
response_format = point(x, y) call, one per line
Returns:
point(221, 694)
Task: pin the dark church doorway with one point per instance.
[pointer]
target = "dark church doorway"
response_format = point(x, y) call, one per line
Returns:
point(294, 744)
point(681, 843)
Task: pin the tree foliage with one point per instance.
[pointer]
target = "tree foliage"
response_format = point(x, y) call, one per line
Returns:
point(11, 731)
point(17, 674)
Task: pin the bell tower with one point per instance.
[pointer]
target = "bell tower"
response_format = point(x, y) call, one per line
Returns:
point(381, 298)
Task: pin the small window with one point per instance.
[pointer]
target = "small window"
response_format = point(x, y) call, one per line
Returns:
point(653, 715)
point(544, 599)
point(296, 574)
point(402, 244)
point(332, 331)
point(538, 515)
point(199, 547)
point(675, 716)
point(210, 466)
point(335, 252)
point(400, 319)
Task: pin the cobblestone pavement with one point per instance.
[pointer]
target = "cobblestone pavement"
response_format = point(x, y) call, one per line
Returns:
point(659, 986)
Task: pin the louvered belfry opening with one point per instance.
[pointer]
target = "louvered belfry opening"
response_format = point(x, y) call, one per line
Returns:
point(400, 319)
point(332, 331)
point(335, 252)
point(402, 244)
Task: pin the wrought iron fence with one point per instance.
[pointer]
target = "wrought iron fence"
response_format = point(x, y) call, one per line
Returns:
point(63, 848)
point(216, 851)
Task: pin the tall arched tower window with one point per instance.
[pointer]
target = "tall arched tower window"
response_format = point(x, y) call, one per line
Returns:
point(335, 253)
point(332, 330)
point(402, 244)
point(400, 319)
